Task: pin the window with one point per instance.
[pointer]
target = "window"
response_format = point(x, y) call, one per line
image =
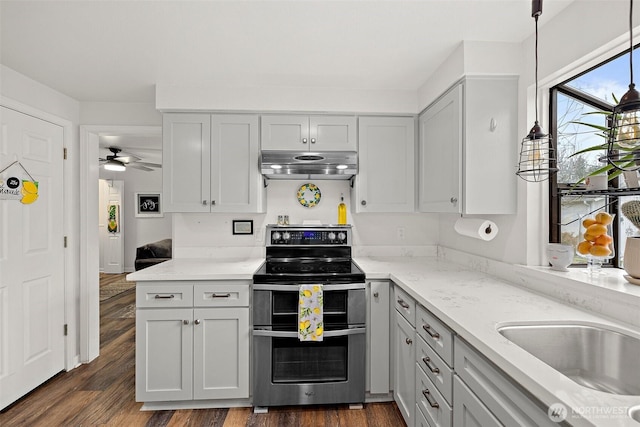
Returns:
point(581, 100)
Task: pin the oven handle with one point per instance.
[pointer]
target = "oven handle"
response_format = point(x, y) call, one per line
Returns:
point(338, 287)
point(328, 334)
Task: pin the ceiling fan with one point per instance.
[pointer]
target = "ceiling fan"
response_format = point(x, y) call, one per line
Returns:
point(118, 161)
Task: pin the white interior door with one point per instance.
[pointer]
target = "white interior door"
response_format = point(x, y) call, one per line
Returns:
point(31, 258)
point(111, 225)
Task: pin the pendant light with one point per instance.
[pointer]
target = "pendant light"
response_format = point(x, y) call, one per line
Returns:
point(623, 139)
point(537, 160)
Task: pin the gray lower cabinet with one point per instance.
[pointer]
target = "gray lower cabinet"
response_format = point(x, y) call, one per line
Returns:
point(482, 392)
point(378, 366)
point(404, 388)
point(192, 341)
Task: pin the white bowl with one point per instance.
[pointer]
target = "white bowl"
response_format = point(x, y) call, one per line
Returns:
point(560, 256)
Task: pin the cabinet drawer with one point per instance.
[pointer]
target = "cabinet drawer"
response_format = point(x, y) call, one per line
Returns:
point(169, 294)
point(405, 305)
point(221, 295)
point(431, 403)
point(436, 334)
point(469, 410)
point(435, 369)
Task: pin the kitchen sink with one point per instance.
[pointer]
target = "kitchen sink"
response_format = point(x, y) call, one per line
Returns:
point(592, 356)
point(634, 413)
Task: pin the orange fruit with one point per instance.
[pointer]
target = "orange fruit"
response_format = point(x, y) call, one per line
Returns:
point(584, 247)
point(603, 218)
point(597, 250)
point(603, 240)
point(590, 237)
point(588, 222)
point(596, 230)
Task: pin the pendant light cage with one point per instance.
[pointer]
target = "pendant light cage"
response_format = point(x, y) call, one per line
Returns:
point(537, 155)
point(623, 138)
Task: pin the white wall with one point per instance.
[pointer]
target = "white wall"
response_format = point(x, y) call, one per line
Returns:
point(211, 234)
point(138, 231)
point(119, 113)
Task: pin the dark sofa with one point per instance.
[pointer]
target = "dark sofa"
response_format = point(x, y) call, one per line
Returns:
point(153, 253)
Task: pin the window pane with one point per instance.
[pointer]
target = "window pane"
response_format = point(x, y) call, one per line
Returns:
point(573, 137)
point(606, 81)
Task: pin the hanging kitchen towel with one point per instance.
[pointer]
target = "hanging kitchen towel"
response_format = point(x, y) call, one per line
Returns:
point(310, 316)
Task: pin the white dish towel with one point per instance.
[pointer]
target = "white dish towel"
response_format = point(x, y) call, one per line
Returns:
point(310, 314)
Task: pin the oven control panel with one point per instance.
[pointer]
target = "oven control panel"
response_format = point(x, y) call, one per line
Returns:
point(294, 236)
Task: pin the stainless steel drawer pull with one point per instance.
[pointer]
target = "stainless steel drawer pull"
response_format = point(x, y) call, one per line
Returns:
point(165, 296)
point(427, 329)
point(427, 395)
point(403, 304)
point(432, 368)
point(409, 341)
point(220, 295)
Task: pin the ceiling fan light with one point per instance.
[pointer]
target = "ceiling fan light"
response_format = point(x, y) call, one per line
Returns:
point(113, 165)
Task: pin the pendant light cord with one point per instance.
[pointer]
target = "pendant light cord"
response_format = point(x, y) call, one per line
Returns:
point(631, 40)
point(536, 97)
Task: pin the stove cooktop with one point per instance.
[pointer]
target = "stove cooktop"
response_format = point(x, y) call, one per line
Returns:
point(309, 271)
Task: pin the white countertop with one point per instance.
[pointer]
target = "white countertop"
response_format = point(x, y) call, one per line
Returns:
point(199, 269)
point(474, 304)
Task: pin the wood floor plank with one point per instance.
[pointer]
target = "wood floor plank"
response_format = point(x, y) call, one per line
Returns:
point(102, 393)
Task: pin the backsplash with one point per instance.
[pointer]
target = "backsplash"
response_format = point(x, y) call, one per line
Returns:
point(210, 235)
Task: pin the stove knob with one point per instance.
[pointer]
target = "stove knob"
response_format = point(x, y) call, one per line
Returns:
point(276, 235)
point(341, 236)
point(286, 235)
point(332, 235)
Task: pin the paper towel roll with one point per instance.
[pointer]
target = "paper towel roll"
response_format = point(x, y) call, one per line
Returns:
point(477, 228)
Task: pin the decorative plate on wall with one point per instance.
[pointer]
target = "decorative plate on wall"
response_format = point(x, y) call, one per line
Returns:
point(309, 195)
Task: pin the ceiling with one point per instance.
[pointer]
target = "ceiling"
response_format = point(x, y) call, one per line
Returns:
point(116, 51)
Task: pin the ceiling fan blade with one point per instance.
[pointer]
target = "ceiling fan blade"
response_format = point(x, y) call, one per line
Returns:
point(138, 166)
point(150, 165)
point(129, 158)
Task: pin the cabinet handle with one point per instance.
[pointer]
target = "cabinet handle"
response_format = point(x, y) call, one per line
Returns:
point(197, 321)
point(376, 294)
point(427, 329)
point(363, 203)
point(165, 296)
point(204, 203)
point(213, 203)
point(409, 341)
point(220, 295)
point(186, 322)
point(427, 395)
point(403, 304)
point(432, 368)
point(313, 140)
point(454, 200)
point(304, 140)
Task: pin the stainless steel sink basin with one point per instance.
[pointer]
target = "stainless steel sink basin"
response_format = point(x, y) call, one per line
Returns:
point(634, 413)
point(593, 357)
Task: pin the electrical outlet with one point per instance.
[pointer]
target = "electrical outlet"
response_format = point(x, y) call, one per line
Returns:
point(400, 231)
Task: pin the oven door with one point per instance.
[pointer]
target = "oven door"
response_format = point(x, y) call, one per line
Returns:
point(288, 371)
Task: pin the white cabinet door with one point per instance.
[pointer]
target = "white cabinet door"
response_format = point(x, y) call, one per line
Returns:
point(386, 155)
point(304, 133)
point(468, 410)
point(440, 154)
point(221, 353)
point(332, 133)
point(236, 183)
point(164, 344)
point(378, 337)
point(404, 391)
point(285, 132)
point(186, 162)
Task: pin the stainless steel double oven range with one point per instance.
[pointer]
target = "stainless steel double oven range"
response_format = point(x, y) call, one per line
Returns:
point(287, 371)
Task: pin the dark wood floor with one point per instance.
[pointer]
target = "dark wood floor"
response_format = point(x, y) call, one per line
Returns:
point(102, 393)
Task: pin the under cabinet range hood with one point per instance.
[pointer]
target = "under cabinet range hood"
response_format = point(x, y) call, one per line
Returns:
point(277, 164)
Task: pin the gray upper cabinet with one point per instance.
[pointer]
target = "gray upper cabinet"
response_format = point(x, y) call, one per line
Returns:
point(210, 163)
point(308, 133)
point(468, 148)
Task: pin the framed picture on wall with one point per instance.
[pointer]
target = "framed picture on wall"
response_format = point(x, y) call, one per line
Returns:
point(148, 205)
